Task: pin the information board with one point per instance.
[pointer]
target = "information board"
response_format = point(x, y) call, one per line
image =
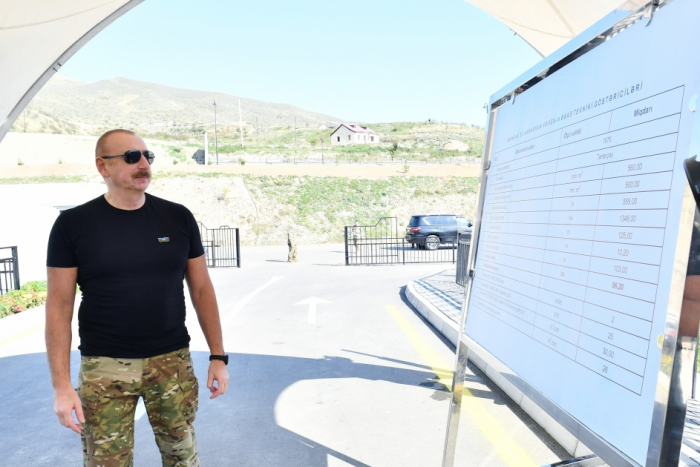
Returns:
point(580, 222)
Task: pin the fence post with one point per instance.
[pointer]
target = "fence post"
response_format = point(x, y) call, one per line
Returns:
point(238, 248)
point(15, 260)
point(213, 248)
point(347, 262)
point(403, 250)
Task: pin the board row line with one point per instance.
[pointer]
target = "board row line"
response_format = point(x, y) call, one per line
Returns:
point(594, 363)
point(666, 103)
point(547, 303)
point(631, 358)
point(616, 267)
point(654, 181)
point(571, 239)
point(634, 147)
point(590, 134)
point(572, 301)
point(636, 254)
point(636, 164)
point(616, 218)
point(576, 281)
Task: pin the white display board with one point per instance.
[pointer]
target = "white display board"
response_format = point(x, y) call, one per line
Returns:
point(580, 223)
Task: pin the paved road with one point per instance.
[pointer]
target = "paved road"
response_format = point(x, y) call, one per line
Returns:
point(359, 382)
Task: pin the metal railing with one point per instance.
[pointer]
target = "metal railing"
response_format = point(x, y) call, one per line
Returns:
point(9, 269)
point(463, 244)
point(222, 246)
point(225, 159)
point(381, 244)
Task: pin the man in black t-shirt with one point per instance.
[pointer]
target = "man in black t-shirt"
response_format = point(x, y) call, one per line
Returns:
point(129, 252)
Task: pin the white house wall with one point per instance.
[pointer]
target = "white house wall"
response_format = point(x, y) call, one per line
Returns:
point(345, 136)
point(350, 137)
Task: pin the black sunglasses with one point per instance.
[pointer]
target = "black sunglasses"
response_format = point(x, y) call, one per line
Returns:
point(132, 156)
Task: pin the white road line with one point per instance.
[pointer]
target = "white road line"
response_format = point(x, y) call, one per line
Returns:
point(228, 316)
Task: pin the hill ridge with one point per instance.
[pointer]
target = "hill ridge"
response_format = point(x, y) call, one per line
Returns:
point(67, 105)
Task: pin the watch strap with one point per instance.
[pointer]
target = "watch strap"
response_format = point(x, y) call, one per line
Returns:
point(223, 358)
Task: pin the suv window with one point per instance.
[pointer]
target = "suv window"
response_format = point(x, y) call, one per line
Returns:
point(430, 220)
point(448, 220)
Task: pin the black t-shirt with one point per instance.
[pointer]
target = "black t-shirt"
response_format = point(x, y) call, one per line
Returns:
point(131, 266)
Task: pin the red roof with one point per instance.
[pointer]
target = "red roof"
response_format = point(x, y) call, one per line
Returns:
point(355, 129)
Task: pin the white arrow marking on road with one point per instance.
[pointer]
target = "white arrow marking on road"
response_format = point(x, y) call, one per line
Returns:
point(312, 302)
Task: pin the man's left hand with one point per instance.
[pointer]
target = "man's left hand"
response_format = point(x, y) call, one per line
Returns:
point(218, 373)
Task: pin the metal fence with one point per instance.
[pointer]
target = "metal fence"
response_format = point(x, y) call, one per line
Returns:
point(463, 244)
point(225, 159)
point(9, 269)
point(222, 246)
point(382, 244)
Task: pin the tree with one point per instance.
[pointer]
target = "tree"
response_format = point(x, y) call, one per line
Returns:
point(392, 149)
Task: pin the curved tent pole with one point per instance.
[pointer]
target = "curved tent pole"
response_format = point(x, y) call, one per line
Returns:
point(58, 63)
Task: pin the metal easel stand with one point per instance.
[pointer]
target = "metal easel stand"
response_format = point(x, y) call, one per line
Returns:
point(462, 351)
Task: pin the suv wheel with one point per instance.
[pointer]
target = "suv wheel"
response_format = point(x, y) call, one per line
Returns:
point(432, 242)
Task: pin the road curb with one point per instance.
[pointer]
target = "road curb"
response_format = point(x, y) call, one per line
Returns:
point(491, 367)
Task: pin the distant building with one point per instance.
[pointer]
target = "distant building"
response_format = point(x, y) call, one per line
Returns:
point(353, 134)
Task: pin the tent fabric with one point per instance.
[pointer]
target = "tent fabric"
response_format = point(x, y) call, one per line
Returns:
point(546, 25)
point(36, 36)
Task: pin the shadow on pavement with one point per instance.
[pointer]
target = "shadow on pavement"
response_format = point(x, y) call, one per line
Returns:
point(238, 428)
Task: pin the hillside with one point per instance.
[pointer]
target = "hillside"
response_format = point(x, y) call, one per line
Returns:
point(178, 119)
point(73, 107)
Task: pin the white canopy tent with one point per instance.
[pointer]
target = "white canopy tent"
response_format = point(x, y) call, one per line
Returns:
point(38, 36)
point(548, 24)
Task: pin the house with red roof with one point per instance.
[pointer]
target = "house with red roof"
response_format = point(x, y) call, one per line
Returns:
point(353, 134)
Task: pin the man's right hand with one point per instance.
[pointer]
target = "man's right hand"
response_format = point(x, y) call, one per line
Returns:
point(65, 401)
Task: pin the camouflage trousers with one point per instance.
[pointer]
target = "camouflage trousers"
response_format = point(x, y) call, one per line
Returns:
point(110, 389)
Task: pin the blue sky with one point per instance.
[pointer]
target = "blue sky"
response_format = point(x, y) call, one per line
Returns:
point(360, 60)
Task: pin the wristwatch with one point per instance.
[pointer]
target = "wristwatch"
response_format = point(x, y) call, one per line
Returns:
point(223, 358)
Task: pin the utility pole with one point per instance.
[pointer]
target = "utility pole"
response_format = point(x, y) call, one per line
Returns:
point(216, 136)
point(240, 120)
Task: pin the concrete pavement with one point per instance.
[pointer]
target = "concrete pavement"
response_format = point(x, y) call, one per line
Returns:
point(363, 383)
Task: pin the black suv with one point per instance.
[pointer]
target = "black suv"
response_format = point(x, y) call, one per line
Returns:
point(430, 230)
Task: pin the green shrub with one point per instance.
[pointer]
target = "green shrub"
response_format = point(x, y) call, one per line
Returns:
point(30, 295)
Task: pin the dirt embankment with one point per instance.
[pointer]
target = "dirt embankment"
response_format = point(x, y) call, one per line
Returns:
point(265, 201)
point(265, 208)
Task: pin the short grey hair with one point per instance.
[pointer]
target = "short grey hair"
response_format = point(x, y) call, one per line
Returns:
point(102, 140)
